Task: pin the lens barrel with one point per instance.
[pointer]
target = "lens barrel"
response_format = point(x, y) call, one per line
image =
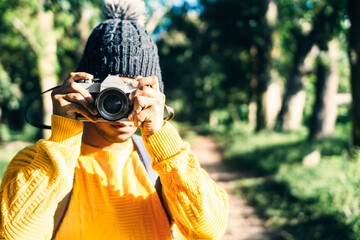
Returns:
point(112, 104)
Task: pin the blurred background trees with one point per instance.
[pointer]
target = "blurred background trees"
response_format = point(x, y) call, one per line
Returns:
point(40, 44)
point(354, 51)
point(273, 64)
point(278, 80)
point(227, 61)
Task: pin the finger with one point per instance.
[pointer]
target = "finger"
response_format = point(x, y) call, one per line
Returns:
point(78, 108)
point(70, 109)
point(151, 82)
point(135, 82)
point(141, 103)
point(74, 87)
point(145, 105)
point(77, 76)
point(137, 123)
point(79, 99)
point(146, 119)
point(143, 115)
point(144, 91)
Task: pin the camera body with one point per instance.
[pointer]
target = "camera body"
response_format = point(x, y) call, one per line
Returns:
point(111, 98)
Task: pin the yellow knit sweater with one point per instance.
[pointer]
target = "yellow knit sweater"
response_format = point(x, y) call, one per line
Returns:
point(113, 197)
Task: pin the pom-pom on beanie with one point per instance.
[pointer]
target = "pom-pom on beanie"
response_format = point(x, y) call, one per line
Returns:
point(120, 45)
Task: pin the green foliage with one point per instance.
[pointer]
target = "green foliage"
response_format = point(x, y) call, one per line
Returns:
point(299, 202)
point(344, 65)
point(21, 45)
point(27, 134)
point(5, 156)
point(8, 151)
point(206, 58)
point(301, 21)
point(205, 50)
point(210, 62)
point(10, 94)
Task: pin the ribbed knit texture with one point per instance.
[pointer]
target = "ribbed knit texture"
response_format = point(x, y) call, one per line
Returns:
point(36, 180)
point(113, 197)
point(121, 47)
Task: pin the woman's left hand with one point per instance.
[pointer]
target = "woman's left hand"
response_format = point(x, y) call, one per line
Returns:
point(149, 102)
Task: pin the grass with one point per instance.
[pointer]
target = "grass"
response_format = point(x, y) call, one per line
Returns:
point(297, 202)
point(7, 152)
point(12, 142)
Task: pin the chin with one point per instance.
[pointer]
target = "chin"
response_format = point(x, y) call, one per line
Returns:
point(117, 139)
point(116, 132)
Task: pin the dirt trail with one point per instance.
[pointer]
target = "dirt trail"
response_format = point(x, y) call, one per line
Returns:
point(243, 222)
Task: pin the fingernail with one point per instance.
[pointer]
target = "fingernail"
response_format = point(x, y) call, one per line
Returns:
point(89, 76)
point(135, 83)
point(130, 117)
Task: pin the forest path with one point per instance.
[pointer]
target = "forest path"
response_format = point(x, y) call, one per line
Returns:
point(244, 224)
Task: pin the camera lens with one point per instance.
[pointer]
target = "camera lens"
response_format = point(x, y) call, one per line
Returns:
point(112, 104)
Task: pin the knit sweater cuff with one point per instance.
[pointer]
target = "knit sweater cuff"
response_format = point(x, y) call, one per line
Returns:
point(65, 131)
point(165, 143)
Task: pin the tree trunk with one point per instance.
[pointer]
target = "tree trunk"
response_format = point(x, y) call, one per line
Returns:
point(252, 114)
point(262, 86)
point(261, 63)
point(83, 28)
point(47, 63)
point(294, 114)
point(259, 84)
point(322, 123)
point(1, 125)
point(272, 102)
point(290, 115)
point(354, 55)
point(272, 96)
point(319, 114)
point(322, 31)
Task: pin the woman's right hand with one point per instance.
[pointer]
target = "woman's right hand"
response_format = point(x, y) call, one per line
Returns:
point(71, 98)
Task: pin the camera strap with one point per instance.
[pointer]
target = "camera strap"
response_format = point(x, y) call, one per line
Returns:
point(27, 119)
point(170, 113)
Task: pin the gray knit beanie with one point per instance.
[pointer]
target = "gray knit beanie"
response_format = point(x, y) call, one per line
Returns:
point(120, 45)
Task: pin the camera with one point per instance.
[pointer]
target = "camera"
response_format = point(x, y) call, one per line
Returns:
point(111, 98)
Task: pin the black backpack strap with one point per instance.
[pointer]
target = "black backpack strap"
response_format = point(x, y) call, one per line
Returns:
point(153, 175)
